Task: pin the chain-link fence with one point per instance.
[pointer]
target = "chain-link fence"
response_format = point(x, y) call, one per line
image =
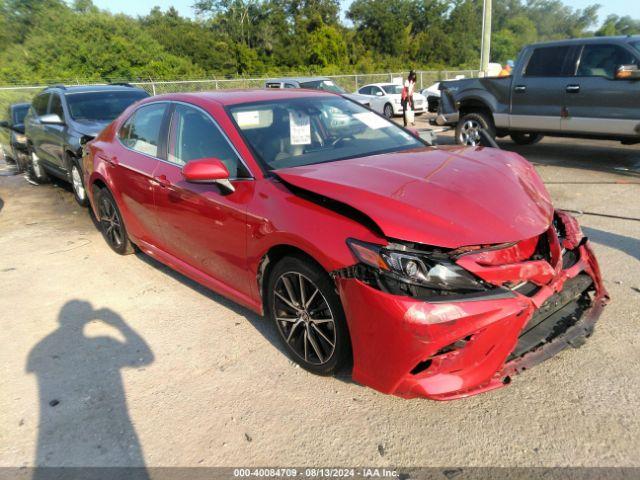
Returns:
point(351, 83)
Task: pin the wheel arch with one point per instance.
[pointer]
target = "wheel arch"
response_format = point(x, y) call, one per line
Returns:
point(272, 256)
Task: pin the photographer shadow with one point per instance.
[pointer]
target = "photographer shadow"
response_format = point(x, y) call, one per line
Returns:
point(84, 419)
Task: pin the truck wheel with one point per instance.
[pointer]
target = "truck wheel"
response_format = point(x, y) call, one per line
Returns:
point(469, 126)
point(526, 138)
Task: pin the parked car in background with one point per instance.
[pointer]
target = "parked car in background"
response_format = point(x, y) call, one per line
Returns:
point(582, 88)
point(13, 141)
point(436, 272)
point(432, 94)
point(315, 83)
point(386, 99)
point(61, 119)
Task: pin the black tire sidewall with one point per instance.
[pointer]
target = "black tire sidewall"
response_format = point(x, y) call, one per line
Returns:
point(387, 107)
point(43, 178)
point(342, 353)
point(74, 162)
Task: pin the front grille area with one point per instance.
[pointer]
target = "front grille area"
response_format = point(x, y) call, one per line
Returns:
point(556, 315)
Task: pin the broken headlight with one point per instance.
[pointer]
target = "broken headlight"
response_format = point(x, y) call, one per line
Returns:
point(416, 268)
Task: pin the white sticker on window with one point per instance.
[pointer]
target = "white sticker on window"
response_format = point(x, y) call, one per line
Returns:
point(372, 120)
point(299, 128)
point(248, 119)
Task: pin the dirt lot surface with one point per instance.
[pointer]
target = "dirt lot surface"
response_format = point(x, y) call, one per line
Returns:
point(162, 372)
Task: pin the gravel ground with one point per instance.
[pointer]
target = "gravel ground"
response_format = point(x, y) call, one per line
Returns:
point(162, 372)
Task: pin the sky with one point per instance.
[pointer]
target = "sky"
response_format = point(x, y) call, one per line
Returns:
point(142, 7)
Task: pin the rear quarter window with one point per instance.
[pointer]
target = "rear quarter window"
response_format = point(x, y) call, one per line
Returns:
point(549, 62)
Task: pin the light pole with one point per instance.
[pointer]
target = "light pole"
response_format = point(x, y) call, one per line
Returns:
point(486, 37)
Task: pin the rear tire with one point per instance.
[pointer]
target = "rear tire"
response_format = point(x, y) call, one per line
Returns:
point(111, 223)
point(303, 304)
point(526, 138)
point(469, 126)
point(77, 182)
point(36, 171)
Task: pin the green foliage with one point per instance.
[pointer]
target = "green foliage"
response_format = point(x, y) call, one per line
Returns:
point(47, 40)
point(615, 25)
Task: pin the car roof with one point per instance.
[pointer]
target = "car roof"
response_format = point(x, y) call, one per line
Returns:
point(20, 104)
point(238, 96)
point(589, 40)
point(383, 84)
point(92, 88)
point(297, 79)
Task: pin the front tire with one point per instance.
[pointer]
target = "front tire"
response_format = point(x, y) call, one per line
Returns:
point(303, 304)
point(469, 126)
point(526, 138)
point(77, 182)
point(36, 171)
point(387, 111)
point(111, 223)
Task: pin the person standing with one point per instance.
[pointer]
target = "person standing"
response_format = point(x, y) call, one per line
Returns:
point(407, 99)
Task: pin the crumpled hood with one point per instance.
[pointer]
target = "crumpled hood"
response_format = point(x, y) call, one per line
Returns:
point(447, 197)
point(90, 127)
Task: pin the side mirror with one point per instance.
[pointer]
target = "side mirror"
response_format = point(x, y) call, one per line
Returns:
point(51, 119)
point(18, 128)
point(379, 93)
point(208, 170)
point(628, 72)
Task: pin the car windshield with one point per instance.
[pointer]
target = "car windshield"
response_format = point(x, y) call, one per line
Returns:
point(307, 131)
point(19, 113)
point(101, 106)
point(392, 89)
point(326, 85)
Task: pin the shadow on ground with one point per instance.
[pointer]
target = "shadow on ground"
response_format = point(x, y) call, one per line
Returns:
point(262, 324)
point(84, 419)
point(573, 153)
point(628, 245)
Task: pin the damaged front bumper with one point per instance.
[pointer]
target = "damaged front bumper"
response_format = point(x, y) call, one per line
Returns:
point(452, 349)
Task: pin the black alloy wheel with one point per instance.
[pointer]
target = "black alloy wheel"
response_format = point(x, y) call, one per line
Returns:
point(111, 224)
point(307, 312)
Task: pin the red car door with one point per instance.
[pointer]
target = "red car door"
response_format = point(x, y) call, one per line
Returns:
point(204, 224)
point(132, 164)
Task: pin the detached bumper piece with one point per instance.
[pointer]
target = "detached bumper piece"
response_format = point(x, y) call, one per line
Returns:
point(460, 347)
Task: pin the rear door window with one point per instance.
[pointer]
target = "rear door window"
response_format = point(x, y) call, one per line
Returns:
point(141, 132)
point(550, 62)
point(604, 60)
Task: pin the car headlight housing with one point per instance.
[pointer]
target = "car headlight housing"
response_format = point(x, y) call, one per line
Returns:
point(397, 101)
point(416, 268)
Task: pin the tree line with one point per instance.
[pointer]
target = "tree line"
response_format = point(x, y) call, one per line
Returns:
point(53, 40)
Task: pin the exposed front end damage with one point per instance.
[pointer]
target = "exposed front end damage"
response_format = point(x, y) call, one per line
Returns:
point(496, 311)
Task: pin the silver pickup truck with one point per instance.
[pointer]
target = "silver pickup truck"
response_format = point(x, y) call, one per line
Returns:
point(583, 88)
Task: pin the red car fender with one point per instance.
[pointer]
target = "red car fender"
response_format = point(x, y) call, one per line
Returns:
point(286, 222)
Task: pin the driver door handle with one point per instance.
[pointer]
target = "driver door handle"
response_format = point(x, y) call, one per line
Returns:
point(573, 88)
point(520, 88)
point(162, 180)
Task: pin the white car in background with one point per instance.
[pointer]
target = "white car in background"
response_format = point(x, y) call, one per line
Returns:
point(386, 99)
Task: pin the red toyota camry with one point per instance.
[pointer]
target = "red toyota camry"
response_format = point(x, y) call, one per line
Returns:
point(438, 272)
